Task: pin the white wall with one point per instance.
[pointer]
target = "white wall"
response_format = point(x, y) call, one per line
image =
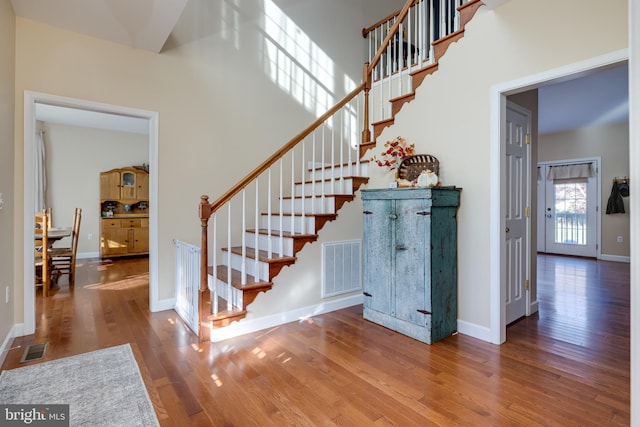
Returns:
point(611, 142)
point(75, 156)
point(7, 259)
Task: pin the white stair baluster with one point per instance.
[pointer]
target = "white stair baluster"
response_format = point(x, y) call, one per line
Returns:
point(293, 188)
point(256, 263)
point(323, 169)
point(215, 263)
point(243, 270)
point(281, 240)
point(270, 244)
point(302, 166)
point(333, 155)
point(358, 138)
point(340, 115)
point(228, 297)
point(313, 172)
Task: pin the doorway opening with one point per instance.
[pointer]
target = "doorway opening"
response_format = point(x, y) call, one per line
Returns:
point(568, 210)
point(31, 99)
point(498, 166)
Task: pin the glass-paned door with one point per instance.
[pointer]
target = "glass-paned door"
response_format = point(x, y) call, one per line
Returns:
point(570, 215)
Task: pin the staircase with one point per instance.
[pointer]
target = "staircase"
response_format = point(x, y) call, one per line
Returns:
point(298, 223)
point(302, 186)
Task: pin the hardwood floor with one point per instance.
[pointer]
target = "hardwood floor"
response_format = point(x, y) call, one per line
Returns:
point(566, 366)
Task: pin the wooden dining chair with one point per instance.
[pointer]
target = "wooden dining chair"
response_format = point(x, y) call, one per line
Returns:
point(39, 216)
point(63, 259)
point(41, 254)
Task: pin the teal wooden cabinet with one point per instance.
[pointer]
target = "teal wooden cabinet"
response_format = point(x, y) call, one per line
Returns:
point(410, 260)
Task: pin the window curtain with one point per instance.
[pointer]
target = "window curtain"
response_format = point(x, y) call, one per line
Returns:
point(40, 172)
point(578, 172)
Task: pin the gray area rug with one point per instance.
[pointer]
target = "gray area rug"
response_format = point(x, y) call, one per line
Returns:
point(103, 388)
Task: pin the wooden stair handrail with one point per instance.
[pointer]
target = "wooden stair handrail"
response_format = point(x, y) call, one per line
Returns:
point(213, 207)
point(367, 30)
point(205, 212)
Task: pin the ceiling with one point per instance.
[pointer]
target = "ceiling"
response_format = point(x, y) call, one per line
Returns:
point(143, 24)
point(597, 98)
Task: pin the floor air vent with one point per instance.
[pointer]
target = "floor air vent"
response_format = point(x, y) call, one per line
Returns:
point(34, 352)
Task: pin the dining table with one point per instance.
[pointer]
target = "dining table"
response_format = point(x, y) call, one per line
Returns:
point(55, 234)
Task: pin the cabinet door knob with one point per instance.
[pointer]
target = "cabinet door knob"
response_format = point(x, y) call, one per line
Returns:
point(393, 216)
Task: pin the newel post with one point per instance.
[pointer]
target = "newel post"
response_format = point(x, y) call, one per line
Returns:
point(204, 297)
point(366, 78)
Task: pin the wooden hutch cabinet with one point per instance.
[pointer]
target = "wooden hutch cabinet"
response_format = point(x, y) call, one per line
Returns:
point(124, 184)
point(410, 260)
point(124, 199)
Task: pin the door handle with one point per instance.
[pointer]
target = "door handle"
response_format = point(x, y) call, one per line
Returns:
point(549, 216)
point(393, 216)
point(401, 248)
point(506, 229)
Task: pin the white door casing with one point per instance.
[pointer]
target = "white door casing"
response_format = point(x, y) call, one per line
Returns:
point(517, 191)
point(30, 99)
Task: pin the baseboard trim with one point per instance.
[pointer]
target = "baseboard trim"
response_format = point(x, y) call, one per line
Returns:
point(163, 305)
point(476, 331)
point(615, 258)
point(87, 255)
point(247, 326)
point(8, 340)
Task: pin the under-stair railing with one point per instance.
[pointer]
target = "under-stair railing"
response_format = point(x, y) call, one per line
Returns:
point(402, 43)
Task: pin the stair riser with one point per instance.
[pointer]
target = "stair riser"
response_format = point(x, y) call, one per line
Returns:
point(250, 266)
point(310, 224)
point(339, 171)
point(314, 205)
point(344, 186)
point(263, 243)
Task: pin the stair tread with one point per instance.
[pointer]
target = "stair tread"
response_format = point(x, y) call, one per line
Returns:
point(317, 196)
point(226, 314)
point(329, 179)
point(402, 97)
point(277, 233)
point(338, 165)
point(263, 256)
point(383, 121)
point(321, 215)
point(236, 279)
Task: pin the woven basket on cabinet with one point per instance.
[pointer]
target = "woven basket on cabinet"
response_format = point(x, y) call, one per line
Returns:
point(412, 166)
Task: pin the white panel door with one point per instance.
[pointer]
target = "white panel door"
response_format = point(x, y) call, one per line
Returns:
point(516, 221)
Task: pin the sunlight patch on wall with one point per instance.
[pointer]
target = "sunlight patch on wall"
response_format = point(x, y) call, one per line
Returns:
point(295, 63)
point(231, 22)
